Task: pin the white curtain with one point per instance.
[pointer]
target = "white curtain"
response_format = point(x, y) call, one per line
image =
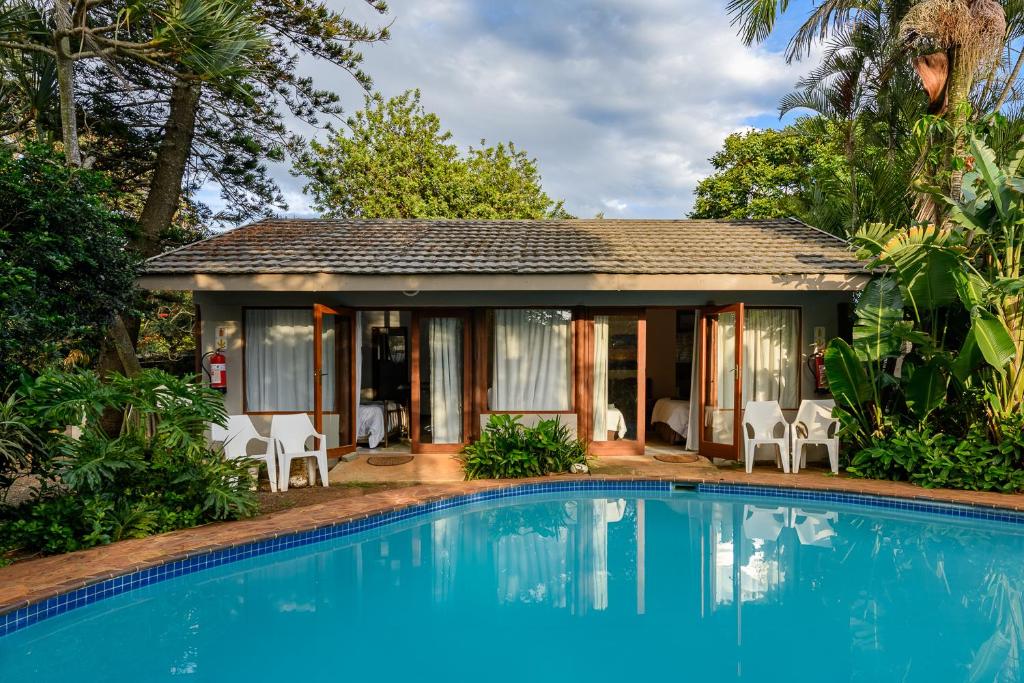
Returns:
point(692, 433)
point(600, 378)
point(444, 337)
point(359, 361)
point(726, 360)
point(530, 368)
point(279, 360)
point(771, 355)
point(329, 357)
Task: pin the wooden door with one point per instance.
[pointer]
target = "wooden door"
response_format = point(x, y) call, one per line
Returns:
point(441, 410)
point(721, 381)
point(334, 377)
point(616, 372)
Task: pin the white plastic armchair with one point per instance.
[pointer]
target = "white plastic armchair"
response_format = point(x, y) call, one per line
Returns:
point(815, 425)
point(290, 433)
point(761, 423)
point(236, 437)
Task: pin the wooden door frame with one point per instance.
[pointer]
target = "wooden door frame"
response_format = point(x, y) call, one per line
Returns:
point(586, 381)
point(319, 310)
point(468, 411)
point(706, 448)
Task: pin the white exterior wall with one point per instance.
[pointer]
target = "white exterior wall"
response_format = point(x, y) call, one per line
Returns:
point(224, 310)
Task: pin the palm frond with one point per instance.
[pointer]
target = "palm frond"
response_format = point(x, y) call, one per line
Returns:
point(755, 18)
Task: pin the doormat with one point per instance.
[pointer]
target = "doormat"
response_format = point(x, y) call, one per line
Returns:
point(678, 459)
point(388, 460)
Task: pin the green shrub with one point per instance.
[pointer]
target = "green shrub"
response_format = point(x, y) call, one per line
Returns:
point(64, 262)
point(507, 449)
point(938, 460)
point(17, 443)
point(152, 473)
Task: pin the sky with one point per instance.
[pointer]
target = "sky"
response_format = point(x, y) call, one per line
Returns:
point(620, 101)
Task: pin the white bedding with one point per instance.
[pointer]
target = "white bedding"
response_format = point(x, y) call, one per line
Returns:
point(616, 421)
point(370, 423)
point(676, 414)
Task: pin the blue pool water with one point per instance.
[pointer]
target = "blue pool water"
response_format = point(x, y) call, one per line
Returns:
point(585, 586)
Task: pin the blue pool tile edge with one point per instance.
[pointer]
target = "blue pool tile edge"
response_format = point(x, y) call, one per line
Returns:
point(960, 511)
point(65, 602)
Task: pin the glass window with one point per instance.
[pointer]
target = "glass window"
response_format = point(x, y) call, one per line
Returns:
point(279, 360)
point(616, 372)
point(771, 356)
point(530, 360)
point(441, 377)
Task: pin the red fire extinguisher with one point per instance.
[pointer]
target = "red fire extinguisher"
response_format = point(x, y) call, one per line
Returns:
point(217, 371)
point(817, 365)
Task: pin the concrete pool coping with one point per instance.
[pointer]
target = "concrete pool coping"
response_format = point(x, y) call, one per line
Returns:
point(30, 582)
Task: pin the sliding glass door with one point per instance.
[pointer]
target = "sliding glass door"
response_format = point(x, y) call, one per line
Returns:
point(617, 360)
point(721, 381)
point(440, 386)
point(334, 386)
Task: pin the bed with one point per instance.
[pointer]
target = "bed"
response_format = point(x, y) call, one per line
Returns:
point(616, 423)
point(675, 416)
point(378, 421)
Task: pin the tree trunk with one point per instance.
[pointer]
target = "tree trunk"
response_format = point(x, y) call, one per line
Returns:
point(169, 171)
point(66, 83)
point(157, 213)
point(961, 78)
point(122, 343)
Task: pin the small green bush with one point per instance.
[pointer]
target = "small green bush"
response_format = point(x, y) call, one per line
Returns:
point(937, 460)
point(507, 449)
point(153, 473)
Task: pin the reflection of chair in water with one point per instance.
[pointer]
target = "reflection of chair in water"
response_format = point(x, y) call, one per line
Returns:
point(764, 523)
point(814, 528)
point(614, 510)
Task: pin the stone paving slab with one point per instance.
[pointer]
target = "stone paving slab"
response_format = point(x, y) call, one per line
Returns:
point(31, 581)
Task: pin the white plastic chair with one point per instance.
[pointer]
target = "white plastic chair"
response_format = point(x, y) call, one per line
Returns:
point(290, 433)
point(815, 425)
point(760, 419)
point(236, 437)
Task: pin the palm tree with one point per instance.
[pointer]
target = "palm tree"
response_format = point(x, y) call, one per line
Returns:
point(864, 91)
point(959, 40)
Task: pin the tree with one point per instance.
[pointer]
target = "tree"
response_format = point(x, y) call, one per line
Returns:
point(173, 97)
point(396, 161)
point(954, 45)
point(64, 266)
point(766, 174)
point(946, 302)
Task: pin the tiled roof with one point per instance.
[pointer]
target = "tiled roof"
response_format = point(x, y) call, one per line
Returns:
point(393, 247)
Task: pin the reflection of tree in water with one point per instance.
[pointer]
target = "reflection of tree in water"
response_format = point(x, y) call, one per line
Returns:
point(999, 657)
point(554, 553)
point(543, 519)
point(914, 570)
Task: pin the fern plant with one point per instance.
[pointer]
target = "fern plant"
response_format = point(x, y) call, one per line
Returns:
point(152, 473)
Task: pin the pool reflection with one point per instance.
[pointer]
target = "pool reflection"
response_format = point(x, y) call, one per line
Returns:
point(586, 588)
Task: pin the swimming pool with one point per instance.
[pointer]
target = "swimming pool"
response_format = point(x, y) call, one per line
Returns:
point(610, 582)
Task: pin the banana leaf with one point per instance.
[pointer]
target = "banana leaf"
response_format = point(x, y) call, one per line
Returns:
point(847, 379)
point(995, 180)
point(926, 389)
point(879, 309)
point(993, 339)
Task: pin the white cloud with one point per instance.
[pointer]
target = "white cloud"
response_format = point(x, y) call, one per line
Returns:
point(619, 100)
point(615, 205)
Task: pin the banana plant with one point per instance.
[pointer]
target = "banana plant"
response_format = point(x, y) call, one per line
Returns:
point(923, 273)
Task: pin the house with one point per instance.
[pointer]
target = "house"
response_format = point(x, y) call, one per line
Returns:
point(409, 333)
